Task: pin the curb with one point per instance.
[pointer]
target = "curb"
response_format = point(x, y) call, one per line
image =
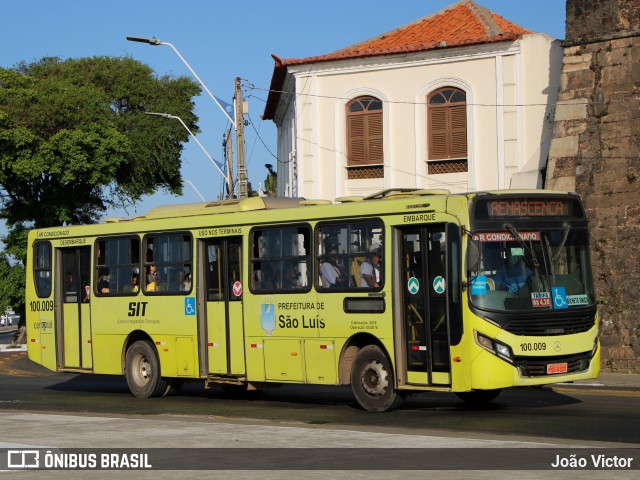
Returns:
point(596, 385)
point(8, 348)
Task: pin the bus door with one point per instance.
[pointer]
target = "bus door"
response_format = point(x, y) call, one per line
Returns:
point(74, 294)
point(423, 305)
point(221, 264)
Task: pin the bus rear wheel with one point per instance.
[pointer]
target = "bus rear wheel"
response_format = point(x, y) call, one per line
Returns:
point(479, 397)
point(143, 371)
point(372, 380)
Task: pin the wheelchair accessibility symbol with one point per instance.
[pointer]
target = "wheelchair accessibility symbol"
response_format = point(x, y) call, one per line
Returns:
point(189, 306)
point(559, 295)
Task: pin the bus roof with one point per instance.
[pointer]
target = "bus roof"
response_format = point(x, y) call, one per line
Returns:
point(276, 203)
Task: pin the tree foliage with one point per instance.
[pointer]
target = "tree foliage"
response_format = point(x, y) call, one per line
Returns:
point(75, 140)
point(11, 286)
point(74, 137)
point(271, 182)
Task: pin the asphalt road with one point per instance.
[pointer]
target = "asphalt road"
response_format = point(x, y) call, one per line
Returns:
point(582, 415)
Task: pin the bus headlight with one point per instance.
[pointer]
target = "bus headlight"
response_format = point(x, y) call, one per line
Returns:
point(497, 348)
point(503, 350)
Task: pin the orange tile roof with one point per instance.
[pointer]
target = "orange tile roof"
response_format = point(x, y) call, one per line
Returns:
point(463, 23)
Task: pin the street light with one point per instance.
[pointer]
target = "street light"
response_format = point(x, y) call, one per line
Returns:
point(156, 41)
point(215, 164)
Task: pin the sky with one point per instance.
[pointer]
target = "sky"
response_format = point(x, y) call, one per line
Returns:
point(222, 40)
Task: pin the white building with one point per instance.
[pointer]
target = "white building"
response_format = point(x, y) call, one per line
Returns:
point(461, 99)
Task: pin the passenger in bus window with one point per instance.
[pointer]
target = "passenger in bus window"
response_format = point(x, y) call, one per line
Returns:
point(370, 268)
point(86, 297)
point(332, 272)
point(71, 283)
point(185, 284)
point(103, 284)
point(134, 283)
point(292, 277)
point(151, 270)
point(155, 285)
point(513, 273)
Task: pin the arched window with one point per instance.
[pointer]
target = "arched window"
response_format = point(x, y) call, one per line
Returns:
point(365, 157)
point(447, 129)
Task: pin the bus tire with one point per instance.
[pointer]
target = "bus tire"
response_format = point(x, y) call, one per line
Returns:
point(372, 380)
point(479, 397)
point(143, 371)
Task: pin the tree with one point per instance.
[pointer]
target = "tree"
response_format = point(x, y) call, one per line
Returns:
point(74, 138)
point(11, 285)
point(271, 182)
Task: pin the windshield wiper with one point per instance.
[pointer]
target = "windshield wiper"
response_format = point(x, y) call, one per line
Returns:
point(554, 258)
point(567, 228)
point(533, 260)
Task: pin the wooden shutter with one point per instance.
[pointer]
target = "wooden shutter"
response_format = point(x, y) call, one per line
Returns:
point(356, 139)
point(438, 130)
point(374, 138)
point(364, 133)
point(447, 125)
point(458, 129)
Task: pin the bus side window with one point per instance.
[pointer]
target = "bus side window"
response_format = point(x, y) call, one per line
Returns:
point(167, 264)
point(344, 249)
point(117, 264)
point(42, 269)
point(280, 259)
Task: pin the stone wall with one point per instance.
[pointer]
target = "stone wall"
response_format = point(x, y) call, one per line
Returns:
point(588, 20)
point(595, 151)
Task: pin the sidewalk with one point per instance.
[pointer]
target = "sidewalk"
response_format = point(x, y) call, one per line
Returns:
point(615, 381)
point(20, 348)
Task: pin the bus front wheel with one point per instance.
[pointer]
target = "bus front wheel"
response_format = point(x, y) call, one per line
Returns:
point(143, 371)
point(372, 380)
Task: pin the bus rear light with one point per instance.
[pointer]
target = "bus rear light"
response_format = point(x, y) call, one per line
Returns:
point(457, 359)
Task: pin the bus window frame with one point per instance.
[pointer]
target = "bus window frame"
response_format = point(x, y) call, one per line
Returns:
point(253, 260)
point(37, 270)
point(145, 264)
point(348, 255)
point(96, 267)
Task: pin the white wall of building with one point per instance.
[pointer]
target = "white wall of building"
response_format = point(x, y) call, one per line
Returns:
point(509, 87)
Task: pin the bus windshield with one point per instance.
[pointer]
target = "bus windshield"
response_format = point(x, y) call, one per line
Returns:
point(530, 270)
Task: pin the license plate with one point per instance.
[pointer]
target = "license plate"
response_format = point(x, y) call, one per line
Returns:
point(557, 368)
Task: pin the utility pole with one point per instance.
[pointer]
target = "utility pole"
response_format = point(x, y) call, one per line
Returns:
point(228, 143)
point(243, 189)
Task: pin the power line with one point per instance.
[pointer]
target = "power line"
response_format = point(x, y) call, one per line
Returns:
point(567, 103)
point(261, 140)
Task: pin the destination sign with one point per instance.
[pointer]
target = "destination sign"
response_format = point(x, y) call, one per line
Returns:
point(506, 208)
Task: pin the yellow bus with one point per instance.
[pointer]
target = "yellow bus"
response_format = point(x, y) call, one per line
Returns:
point(398, 292)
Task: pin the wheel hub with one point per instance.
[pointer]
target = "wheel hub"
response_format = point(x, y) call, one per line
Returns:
point(375, 380)
point(144, 370)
